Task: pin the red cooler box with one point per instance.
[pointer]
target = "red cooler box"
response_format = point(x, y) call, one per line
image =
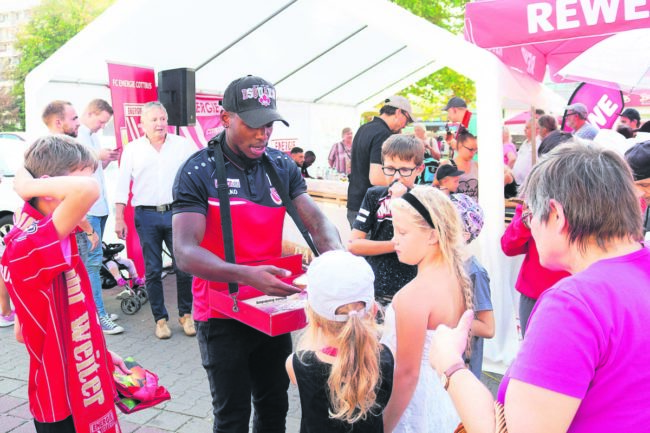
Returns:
point(268, 314)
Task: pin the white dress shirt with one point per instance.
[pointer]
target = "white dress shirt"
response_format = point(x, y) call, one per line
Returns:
point(152, 171)
point(90, 140)
point(524, 163)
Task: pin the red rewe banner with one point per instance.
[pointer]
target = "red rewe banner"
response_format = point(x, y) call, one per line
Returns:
point(131, 87)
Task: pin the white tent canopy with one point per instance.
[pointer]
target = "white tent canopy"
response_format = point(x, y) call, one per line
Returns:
point(330, 60)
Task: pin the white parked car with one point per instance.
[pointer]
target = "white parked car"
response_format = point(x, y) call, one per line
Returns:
point(11, 158)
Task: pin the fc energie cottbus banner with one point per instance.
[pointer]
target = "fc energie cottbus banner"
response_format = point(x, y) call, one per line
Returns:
point(131, 87)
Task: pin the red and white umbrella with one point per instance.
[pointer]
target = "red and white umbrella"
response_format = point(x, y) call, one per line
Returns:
point(535, 35)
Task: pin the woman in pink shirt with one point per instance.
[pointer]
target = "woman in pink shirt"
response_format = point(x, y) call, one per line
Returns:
point(533, 278)
point(583, 366)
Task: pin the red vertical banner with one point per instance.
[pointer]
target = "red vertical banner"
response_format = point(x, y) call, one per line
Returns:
point(131, 87)
point(208, 120)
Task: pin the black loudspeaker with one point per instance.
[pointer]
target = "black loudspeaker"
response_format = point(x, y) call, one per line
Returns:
point(177, 92)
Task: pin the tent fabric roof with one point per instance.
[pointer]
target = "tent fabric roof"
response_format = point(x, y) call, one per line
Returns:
point(350, 53)
point(336, 52)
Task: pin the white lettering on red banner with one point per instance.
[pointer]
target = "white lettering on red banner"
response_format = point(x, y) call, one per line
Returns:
point(569, 14)
point(603, 111)
point(285, 145)
point(208, 108)
point(529, 58)
point(83, 350)
point(116, 82)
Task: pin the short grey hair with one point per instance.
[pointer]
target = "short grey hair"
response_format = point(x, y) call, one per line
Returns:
point(595, 188)
point(150, 106)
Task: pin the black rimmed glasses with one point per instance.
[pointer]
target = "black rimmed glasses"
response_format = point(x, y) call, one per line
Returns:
point(473, 150)
point(404, 171)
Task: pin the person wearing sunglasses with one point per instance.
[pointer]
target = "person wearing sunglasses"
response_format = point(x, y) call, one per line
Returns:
point(576, 118)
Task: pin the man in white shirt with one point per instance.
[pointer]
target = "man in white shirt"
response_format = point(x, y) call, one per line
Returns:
point(151, 162)
point(60, 117)
point(95, 117)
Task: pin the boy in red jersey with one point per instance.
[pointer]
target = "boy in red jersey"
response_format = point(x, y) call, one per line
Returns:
point(70, 376)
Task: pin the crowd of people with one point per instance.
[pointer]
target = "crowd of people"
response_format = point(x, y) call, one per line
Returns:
point(397, 317)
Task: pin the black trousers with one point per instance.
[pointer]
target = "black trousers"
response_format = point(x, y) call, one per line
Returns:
point(242, 362)
point(65, 426)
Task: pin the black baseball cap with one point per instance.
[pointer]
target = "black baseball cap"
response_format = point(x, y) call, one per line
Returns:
point(253, 99)
point(631, 114)
point(455, 102)
point(638, 158)
point(446, 171)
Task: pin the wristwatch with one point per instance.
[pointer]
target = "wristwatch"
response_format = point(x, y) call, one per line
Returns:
point(90, 234)
point(450, 371)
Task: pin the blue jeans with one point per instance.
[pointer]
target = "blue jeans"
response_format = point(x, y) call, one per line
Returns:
point(241, 361)
point(94, 262)
point(154, 228)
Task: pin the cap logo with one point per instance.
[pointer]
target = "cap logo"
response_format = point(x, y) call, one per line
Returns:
point(265, 100)
point(263, 94)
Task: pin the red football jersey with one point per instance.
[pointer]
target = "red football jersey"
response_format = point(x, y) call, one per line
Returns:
point(40, 272)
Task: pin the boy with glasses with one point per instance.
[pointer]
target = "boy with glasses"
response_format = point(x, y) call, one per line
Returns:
point(372, 230)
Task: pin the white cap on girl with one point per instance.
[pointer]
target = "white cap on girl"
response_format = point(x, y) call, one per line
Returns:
point(338, 278)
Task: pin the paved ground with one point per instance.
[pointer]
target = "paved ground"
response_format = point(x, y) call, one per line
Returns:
point(176, 361)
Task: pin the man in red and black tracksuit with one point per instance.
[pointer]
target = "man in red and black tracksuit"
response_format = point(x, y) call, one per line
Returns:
point(240, 361)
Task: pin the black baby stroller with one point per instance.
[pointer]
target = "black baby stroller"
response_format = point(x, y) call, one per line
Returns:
point(134, 294)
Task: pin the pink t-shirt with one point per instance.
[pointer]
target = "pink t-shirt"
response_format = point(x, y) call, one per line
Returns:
point(588, 338)
point(508, 148)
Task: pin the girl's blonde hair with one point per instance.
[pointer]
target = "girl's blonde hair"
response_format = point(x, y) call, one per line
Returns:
point(355, 375)
point(448, 225)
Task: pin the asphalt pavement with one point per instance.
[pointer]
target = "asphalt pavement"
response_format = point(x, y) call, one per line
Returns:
point(176, 361)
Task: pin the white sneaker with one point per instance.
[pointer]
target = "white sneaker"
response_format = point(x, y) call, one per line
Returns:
point(8, 320)
point(109, 327)
point(114, 317)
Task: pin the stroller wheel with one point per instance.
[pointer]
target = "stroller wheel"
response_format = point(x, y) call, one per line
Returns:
point(141, 293)
point(108, 282)
point(131, 305)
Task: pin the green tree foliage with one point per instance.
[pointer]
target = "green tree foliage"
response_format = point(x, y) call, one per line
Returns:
point(431, 93)
point(8, 112)
point(53, 23)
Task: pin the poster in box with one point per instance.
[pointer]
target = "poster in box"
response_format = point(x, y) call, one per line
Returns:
point(260, 316)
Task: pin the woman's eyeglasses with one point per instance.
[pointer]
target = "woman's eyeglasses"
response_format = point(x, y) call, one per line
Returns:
point(473, 150)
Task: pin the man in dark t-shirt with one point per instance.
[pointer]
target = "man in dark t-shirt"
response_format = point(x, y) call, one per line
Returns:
point(242, 363)
point(366, 150)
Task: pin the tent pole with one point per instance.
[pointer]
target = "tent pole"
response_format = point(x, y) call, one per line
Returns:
point(533, 134)
point(360, 73)
point(251, 30)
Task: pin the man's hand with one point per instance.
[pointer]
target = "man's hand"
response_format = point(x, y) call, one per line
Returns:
point(267, 280)
point(109, 155)
point(120, 229)
point(93, 239)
